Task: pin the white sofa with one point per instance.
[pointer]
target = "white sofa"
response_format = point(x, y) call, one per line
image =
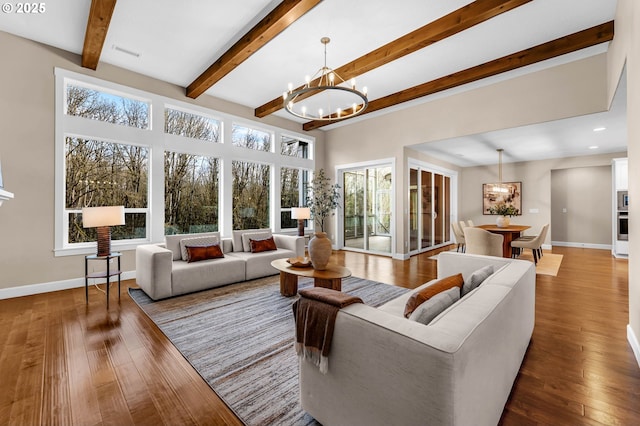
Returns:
point(385, 369)
point(161, 272)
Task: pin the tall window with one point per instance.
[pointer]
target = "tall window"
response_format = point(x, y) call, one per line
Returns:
point(190, 193)
point(105, 174)
point(293, 193)
point(250, 195)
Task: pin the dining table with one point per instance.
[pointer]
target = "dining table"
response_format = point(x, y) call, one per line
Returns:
point(509, 233)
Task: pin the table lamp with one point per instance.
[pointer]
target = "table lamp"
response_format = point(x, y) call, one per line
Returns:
point(300, 213)
point(103, 218)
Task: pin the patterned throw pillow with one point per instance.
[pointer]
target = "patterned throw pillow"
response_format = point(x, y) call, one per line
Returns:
point(258, 246)
point(198, 253)
point(433, 307)
point(419, 297)
point(196, 242)
point(477, 278)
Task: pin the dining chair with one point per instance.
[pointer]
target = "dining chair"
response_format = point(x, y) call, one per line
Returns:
point(457, 232)
point(535, 243)
point(463, 225)
point(480, 241)
point(470, 222)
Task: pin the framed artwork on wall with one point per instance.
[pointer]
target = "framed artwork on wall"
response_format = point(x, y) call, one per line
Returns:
point(509, 193)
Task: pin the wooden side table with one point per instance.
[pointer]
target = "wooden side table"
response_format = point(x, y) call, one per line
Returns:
point(101, 274)
point(329, 278)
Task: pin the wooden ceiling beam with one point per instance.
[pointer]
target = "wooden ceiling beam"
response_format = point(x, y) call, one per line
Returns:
point(285, 14)
point(446, 26)
point(561, 46)
point(97, 27)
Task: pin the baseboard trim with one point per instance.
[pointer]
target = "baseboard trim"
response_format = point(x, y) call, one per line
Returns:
point(581, 245)
point(31, 289)
point(633, 341)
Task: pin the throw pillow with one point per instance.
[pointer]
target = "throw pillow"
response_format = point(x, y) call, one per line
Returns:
point(433, 307)
point(419, 297)
point(477, 278)
point(196, 242)
point(258, 246)
point(198, 253)
point(246, 237)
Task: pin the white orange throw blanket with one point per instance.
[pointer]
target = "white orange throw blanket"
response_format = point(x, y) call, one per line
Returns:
point(315, 315)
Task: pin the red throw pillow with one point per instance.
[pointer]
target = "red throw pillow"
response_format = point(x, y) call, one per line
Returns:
point(258, 246)
point(204, 252)
point(427, 293)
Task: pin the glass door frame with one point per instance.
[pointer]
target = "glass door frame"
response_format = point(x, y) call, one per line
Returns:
point(340, 171)
point(421, 166)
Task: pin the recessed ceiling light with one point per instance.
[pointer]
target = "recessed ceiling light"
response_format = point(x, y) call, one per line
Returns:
point(599, 129)
point(594, 147)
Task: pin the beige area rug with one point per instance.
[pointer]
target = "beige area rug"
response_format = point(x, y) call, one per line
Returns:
point(549, 264)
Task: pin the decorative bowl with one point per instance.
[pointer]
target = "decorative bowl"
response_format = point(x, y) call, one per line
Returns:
point(299, 262)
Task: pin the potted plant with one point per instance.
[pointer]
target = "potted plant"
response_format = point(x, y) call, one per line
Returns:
point(504, 211)
point(322, 200)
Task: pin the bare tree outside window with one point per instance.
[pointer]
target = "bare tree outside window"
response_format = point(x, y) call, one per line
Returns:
point(102, 106)
point(105, 174)
point(191, 125)
point(250, 195)
point(250, 138)
point(190, 193)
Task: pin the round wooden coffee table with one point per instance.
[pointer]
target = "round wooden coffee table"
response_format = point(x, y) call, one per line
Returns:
point(328, 278)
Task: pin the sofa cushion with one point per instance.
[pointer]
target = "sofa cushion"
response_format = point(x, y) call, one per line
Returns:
point(197, 253)
point(433, 307)
point(208, 240)
point(258, 246)
point(259, 264)
point(172, 242)
point(190, 277)
point(237, 238)
point(477, 278)
point(426, 293)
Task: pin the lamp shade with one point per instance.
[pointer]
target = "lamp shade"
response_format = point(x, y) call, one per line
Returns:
point(300, 213)
point(93, 217)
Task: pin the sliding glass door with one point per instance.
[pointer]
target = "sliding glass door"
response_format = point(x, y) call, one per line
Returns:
point(367, 219)
point(429, 209)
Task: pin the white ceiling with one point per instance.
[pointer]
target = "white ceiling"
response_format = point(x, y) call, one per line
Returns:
point(177, 41)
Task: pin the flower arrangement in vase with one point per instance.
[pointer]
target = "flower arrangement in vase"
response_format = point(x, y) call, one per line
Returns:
point(504, 211)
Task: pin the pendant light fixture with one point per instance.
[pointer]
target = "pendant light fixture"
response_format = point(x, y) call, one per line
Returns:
point(500, 188)
point(333, 98)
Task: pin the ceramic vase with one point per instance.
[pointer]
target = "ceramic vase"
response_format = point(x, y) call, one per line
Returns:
point(503, 221)
point(320, 250)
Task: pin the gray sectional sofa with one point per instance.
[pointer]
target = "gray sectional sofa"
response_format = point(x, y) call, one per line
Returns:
point(385, 369)
point(162, 272)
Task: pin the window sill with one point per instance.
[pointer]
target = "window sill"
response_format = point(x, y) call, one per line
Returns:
point(91, 248)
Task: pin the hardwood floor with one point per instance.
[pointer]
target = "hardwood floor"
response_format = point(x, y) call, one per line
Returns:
point(64, 362)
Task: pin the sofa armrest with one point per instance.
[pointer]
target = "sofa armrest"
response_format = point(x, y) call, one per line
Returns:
point(290, 242)
point(153, 270)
